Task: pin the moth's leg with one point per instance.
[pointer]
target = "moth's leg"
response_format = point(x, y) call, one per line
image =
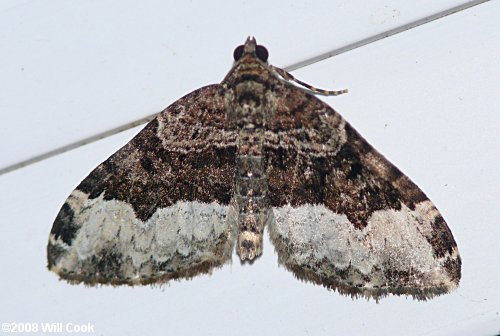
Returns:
point(287, 76)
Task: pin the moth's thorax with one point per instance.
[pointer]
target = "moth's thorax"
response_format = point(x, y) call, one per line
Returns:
point(249, 108)
point(249, 96)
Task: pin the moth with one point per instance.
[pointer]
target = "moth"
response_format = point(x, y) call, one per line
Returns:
point(223, 162)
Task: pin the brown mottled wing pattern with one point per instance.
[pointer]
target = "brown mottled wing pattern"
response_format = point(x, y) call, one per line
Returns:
point(156, 209)
point(344, 216)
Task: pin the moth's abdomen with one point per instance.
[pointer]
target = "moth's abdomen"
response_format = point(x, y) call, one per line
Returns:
point(248, 111)
point(253, 209)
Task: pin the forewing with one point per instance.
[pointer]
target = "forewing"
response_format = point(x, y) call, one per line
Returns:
point(157, 209)
point(344, 216)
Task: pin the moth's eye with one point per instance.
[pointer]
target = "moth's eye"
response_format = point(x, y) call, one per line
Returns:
point(238, 52)
point(262, 53)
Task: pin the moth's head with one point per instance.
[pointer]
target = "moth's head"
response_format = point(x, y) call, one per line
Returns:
point(251, 49)
point(250, 61)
